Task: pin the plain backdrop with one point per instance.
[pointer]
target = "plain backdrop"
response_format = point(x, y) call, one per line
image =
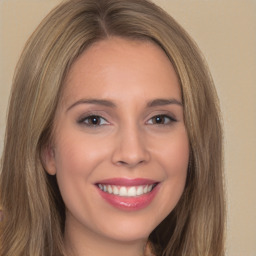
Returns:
point(225, 30)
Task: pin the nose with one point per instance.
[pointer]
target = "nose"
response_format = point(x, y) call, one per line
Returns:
point(130, 148)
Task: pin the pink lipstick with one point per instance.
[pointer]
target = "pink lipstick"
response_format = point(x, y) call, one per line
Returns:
point(128, 194)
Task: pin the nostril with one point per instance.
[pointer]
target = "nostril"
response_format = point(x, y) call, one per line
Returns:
point(130, 163)
point(122, 163)
point(130, 151)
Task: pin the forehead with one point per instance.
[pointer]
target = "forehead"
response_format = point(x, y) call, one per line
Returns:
point(115, 65)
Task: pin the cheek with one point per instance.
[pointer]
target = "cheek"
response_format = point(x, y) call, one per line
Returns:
point(174, 161)
point(174, 154)
point(177, 159)
point(76, 159)
point(77, 153)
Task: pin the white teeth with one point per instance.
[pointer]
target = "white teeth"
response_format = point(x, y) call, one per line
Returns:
point(115, 190)
point(139, 190)
point(123, 191)
point(109, 189)
point(150, 187)
point(132, 191)
point(126, 191)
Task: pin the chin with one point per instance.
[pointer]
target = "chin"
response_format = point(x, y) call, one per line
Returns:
point(129, 228)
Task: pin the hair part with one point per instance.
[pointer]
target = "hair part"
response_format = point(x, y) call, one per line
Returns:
point(34, 224)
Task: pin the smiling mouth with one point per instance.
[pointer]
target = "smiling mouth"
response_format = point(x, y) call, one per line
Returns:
point(128, 194)
point(126, 191)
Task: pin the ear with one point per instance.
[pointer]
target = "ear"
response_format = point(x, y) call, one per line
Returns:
point(48, 159)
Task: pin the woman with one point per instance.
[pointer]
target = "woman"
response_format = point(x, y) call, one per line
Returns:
point(112, 125)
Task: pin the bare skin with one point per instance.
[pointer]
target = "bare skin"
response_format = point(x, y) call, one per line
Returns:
point(121, 116)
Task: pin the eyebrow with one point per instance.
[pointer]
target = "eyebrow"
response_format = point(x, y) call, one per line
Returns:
point(108, 103)
point(163, 102)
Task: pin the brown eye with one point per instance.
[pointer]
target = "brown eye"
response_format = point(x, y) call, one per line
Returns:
point(161, 120)
point(93, 120)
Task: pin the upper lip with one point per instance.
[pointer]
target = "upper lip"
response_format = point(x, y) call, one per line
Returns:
point(127, 181)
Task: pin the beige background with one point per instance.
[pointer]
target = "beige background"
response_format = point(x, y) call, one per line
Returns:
point(225, 30)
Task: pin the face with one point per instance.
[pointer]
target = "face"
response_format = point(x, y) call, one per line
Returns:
point(120, 150)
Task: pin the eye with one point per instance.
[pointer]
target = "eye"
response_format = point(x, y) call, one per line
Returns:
point(93, 120)
point(161, 120)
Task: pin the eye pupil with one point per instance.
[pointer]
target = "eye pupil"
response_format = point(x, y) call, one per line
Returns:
point(159, 119)
point(94, 120)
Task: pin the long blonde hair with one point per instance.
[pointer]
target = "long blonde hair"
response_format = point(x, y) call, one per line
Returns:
point(34, 213)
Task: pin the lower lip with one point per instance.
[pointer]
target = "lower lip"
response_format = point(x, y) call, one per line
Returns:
point(129, 203)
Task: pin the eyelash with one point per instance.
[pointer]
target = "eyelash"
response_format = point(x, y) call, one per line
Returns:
point(167, 120)
point(92, 118)
point(97, 121)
